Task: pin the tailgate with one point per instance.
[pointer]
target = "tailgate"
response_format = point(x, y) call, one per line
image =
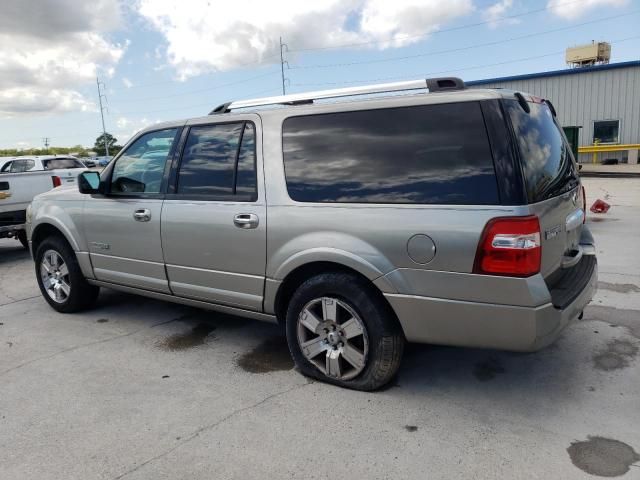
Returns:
point(554, 192)
point(561, 223)
point(68, 177)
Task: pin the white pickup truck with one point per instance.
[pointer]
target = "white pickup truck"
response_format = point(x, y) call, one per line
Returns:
point(22, 178)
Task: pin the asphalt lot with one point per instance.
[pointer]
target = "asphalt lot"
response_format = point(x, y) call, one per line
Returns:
point(139, 389)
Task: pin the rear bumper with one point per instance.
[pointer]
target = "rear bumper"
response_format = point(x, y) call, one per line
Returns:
point(487, 325)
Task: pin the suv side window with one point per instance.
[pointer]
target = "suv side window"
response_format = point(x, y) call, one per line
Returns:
point(428, 154)
point(219, 161)
point(6, 168)
point(141, 167)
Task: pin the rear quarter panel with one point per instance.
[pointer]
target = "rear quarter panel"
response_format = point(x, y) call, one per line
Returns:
point(372, 238)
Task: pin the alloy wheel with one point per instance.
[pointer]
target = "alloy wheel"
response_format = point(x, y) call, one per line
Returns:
point(333, 337)
point(55, 276)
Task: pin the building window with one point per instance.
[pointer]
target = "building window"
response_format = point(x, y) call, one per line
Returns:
point(606, 131)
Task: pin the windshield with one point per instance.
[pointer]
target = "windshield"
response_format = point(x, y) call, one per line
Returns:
point(547, 162)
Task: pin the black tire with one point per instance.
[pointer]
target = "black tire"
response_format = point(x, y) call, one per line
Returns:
point(22, 238)
point(82, 295)
point(383, 333)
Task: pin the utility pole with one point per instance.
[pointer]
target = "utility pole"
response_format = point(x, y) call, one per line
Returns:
point(104, 130)
point(282, 62)
point(45, 140)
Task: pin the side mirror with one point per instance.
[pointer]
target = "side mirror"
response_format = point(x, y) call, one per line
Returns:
point(89, 182)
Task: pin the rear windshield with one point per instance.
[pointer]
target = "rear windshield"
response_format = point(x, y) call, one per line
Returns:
point(428, 154)
point(60, 163)
point(547, 162)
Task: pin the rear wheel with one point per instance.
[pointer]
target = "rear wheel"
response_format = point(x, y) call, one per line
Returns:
point(60, 279)
point(341, 331)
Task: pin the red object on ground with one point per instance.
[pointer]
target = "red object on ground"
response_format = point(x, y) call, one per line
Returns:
point(600, 206)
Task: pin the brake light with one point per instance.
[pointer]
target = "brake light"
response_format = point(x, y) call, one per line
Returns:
point(509, 246)
point(57, 181)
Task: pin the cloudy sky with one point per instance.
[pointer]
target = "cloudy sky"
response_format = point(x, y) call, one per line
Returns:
point(167, 59)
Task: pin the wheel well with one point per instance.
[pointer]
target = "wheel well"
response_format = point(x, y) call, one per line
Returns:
point(298, 276)
point(43, 231)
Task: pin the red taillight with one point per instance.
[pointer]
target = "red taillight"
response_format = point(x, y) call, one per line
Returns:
point(509, 246)
point(57, 181)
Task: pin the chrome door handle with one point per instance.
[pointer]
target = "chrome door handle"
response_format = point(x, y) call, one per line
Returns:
point(246, 220)
point(142, 215)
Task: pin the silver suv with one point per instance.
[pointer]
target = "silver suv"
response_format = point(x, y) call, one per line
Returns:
point(450, 217)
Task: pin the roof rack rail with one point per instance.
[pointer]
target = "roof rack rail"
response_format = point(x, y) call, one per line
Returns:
point(432, 84)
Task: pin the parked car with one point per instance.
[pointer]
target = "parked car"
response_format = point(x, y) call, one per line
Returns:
point(103, 161)
point(21, 179)
point(453, 217)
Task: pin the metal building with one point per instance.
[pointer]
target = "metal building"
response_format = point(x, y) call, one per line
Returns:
point(604, 100)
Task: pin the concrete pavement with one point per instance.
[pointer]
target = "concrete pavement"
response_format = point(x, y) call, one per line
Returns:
point(140, 389)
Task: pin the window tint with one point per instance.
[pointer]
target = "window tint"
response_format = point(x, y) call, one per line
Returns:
point(547, 163)
point(425, 154)
point(606, 131)
point(59, 163)
point(6, 167)
point(210, 157)
point(141, 167)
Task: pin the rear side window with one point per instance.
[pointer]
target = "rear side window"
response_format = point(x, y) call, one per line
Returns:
point(60, 163)
point(429, 154)
point(547, 163)
point(219, 161)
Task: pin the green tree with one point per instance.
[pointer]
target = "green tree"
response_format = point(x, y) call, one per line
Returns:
point(99, 146)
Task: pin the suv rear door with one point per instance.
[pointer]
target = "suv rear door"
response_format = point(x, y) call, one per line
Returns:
point(551, 181)
point(214, 214)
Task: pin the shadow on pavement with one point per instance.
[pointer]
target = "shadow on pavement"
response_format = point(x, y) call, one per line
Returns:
point(551, 379)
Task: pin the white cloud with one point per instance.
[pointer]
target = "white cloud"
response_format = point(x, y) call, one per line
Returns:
point(204, 36)
point(126, 82)
point(495, 14)
point(50, 47)
point(38, 100)
point(570, 10)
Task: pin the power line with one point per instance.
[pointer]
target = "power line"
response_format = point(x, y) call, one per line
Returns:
point(440, 72)
point(459, 49)
point(440, 30)
point(199, 105)
point(202, 90)
point(164, 82)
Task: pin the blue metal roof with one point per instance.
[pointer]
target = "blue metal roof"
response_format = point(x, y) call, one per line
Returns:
point(555, 73)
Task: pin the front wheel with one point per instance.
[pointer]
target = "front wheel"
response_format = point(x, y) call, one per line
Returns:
point(341, 331)
point(60, 279)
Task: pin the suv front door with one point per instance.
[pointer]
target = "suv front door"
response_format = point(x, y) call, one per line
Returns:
point(122, 227)
point(214, 215)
